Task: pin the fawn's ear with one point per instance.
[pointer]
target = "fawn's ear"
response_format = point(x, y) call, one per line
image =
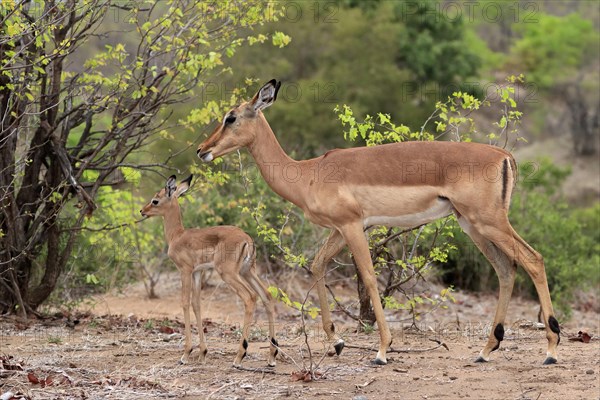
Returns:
point(171, 185)
point(265, 96)
point(183, 186)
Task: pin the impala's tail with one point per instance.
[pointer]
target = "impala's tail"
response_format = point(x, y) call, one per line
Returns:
point(247, 258)
point(509, 179)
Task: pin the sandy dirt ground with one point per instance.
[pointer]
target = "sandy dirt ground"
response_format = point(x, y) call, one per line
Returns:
point(124, 346)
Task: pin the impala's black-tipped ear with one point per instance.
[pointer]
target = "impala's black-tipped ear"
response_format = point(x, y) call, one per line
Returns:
point(183, 186)
point(277, 86)
point(188, 180)
point(171, 185)
point(266, 95)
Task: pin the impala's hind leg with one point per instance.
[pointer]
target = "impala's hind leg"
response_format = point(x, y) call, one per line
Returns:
point(249, 298)
point(259, 287)
point(505, 269)
point(503, 236)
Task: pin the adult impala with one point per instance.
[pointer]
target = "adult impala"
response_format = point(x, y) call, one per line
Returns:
point(227, 249)
point(401, 184)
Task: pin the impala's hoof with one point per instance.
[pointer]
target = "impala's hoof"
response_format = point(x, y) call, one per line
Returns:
point(550, 360)
point(378, 361)
point(339, 346)
point(481, 360)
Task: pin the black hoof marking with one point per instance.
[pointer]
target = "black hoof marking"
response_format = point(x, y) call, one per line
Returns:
point(180, 362)
point(499, 332)
point(271, 365)
point(243, 356)
point(377, 361)
point(480, 360)
point(332, 328)
point(245, 344)
point(204, 352)
point(274, 342)
point(338, 348)
point(499, 335)
point(554, 327)
point(550, 360)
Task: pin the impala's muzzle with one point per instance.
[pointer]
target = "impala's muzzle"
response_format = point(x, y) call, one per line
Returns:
point(205, 156)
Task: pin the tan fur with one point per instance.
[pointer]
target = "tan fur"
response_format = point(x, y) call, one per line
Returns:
point(399, 184)
point(227, 249)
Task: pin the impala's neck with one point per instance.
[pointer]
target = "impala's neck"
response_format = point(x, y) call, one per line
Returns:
point(172, 224)
point(282, 173)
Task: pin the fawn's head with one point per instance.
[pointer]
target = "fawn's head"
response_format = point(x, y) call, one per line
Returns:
point(166, 197)
point(240, 124)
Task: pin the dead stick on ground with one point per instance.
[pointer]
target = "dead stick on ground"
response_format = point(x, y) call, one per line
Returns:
point(364, 385)
point(221, 388)
point(391, 350)
point(261, 370)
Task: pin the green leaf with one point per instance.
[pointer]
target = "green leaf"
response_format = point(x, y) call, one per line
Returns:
point(91, 279)
point(280, 39)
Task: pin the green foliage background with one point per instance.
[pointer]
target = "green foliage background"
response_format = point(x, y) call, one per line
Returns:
point(380, 61)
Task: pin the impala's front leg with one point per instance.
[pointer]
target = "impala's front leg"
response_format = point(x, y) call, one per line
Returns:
point(197, 305)
point(186, 289)
point(332, 246)
point(355, 237)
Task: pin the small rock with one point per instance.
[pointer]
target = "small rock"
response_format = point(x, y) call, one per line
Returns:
point(453, 378)
point(359, 398)
point(590, 372)
point(7, 396)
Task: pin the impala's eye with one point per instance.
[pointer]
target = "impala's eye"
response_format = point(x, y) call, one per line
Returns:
point(154, 202)
point(230, 119)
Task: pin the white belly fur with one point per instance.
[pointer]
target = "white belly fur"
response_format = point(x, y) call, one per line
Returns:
point(442, 208)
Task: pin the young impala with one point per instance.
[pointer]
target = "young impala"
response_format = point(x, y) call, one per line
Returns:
point(227, 249)
point(401, 184)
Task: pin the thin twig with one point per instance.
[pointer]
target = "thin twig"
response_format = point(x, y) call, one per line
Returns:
point(342, 308)
point(392, 350)
point(221, 388)
point(260, 370)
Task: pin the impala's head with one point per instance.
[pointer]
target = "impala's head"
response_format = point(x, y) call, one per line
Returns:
point(166, 197)
point(240, 125)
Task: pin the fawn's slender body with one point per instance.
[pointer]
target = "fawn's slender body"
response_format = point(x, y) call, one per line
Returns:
point(401, 184)
point(227, 249)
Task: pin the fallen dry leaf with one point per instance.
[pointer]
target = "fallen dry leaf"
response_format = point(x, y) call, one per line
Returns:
point(54, 379)
point(166, 329)
point(32, 378)
point(305, 376)
point(581, 337)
